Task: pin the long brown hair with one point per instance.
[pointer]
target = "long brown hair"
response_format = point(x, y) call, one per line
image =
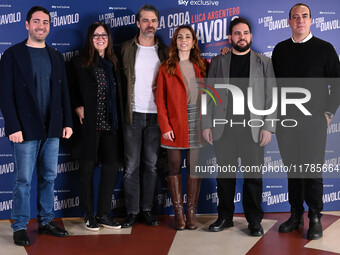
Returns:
point(89, 49)
point(195, 58)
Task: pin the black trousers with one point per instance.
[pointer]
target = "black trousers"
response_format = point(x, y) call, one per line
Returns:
point(107, 148)
point(302, 147)
point(228, 149)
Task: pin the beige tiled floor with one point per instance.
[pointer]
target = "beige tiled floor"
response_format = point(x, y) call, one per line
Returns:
point(6, 240)
point(234, 240)
point(75, 226)
point(335, 213)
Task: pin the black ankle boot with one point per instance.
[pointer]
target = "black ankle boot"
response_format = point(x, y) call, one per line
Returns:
point(295, 221)
point(315, 228)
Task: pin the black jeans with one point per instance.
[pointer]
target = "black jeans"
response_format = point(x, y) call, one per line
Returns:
point(142, 142)
point(304, 145)
point(107, 149)
point(228, 149)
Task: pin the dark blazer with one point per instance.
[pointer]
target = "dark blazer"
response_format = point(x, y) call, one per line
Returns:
point(261, 79)
point(18, 96)
point(83, 91)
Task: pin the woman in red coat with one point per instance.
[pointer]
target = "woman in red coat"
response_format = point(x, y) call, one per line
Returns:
point(178, 108)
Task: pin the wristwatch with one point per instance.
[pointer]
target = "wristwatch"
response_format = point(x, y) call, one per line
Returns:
point(330, 115)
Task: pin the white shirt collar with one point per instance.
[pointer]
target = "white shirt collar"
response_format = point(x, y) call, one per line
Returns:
point(309, 36)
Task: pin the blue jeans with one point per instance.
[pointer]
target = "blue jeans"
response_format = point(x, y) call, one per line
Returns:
point(141, 145)
point(27, 154)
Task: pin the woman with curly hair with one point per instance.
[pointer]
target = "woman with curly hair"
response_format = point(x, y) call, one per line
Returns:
point(178, 108)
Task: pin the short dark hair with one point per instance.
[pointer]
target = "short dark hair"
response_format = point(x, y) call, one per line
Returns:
point(147, 7)
point(300, 4)
point(37, 9)
point(236, 21)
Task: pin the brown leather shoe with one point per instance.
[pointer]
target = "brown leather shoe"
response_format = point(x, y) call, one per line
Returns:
point(175, 190)
point(193, 191)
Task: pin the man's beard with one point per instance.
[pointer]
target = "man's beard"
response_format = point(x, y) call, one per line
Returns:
point(241, 48)
point(149, 33)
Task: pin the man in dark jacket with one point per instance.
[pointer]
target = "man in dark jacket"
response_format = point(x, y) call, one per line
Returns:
point(247, 71)
point(141, 58)
point(35, 104)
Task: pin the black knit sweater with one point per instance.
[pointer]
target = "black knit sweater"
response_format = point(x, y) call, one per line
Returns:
point(313, 59)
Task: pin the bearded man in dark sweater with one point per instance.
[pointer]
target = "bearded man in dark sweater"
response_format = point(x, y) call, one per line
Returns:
point(301, 58)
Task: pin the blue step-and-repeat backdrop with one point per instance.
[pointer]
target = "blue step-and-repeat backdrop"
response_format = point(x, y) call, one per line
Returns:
point(210, 20)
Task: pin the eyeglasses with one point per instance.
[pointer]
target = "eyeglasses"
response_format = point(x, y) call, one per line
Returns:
point(97, 36)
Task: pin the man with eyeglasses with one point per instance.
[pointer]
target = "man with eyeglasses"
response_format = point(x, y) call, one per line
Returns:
point(303, 147)
point(141, 58)
point(35, 104)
